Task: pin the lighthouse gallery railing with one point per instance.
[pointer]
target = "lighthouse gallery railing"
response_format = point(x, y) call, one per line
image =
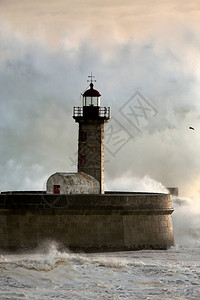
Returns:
point(103, 112)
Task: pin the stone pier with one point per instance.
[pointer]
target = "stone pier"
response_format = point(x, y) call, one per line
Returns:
point(107, 222)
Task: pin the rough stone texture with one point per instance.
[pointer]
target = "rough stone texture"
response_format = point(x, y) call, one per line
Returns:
point(110, 222)
point(73, 183)
point(91, 149)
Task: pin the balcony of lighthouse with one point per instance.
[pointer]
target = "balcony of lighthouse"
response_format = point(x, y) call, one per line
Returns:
point(91, 112)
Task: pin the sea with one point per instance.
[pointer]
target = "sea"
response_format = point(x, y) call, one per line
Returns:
point(48, 273)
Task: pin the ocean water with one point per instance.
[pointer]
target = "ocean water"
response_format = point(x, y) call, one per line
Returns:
point(51, 274)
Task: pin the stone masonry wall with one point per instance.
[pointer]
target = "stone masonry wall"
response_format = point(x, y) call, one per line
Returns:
point(91, 150)
point(87, 222)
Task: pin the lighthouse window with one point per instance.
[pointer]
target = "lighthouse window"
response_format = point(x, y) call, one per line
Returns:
point(87, 101)
point(95, 101)
point(91, 101)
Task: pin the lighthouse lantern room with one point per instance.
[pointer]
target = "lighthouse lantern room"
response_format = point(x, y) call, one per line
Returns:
point(91, 97)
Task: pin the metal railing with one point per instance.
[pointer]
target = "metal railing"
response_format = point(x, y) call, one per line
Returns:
point(103, 112)
point(77, 111)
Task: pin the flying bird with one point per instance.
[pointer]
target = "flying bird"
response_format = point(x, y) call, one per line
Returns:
point(191, 128)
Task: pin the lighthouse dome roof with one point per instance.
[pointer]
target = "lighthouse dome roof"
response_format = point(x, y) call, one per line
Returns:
point(91, 92)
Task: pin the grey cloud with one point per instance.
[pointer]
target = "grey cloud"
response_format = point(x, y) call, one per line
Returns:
point(39, 86)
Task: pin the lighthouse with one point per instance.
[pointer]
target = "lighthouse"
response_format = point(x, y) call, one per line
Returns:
point(91, 117)
point(74, 209)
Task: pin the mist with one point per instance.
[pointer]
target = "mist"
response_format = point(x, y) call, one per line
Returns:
point(43, 74)
point(186, 222)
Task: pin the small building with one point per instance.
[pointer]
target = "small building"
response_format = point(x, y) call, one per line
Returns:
point(173, 191)
point(72, 183)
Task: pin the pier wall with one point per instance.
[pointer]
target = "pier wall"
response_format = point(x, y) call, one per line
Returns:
point(109, 222)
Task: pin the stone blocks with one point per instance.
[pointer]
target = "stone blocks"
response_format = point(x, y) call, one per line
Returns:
point(109, 222)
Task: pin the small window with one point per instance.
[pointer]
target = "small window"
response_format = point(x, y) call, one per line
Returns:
point(82, 136)
point(56, 189)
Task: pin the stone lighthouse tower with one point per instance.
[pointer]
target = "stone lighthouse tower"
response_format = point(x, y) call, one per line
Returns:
point(91, 118)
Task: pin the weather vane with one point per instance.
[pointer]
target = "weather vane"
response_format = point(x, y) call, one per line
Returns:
point(91, 80)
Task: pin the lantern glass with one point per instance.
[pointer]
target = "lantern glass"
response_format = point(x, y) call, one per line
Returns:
point(91, 101)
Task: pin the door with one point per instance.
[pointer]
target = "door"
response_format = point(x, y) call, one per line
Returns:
point(56, 189)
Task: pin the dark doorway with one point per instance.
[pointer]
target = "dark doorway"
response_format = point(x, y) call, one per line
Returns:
point(56, 189)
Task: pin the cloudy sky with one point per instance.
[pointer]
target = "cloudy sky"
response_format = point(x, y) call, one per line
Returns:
point(146, 58)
